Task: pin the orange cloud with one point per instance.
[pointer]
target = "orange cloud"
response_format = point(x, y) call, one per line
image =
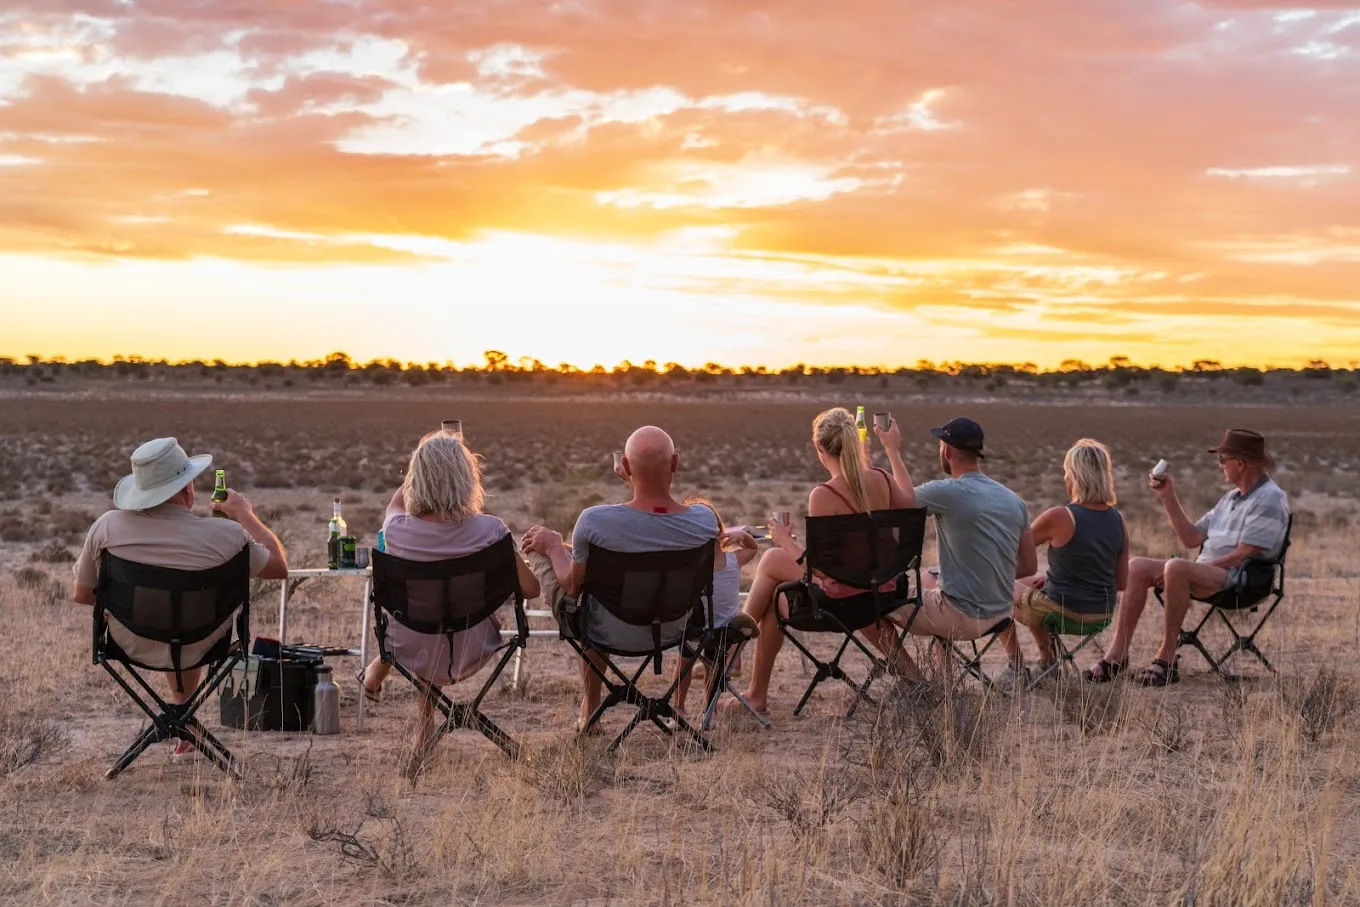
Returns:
point(1072, 166)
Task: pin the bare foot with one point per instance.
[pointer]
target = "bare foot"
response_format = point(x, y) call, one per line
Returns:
point(731, 705)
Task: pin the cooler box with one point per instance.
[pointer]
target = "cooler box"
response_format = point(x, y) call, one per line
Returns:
point(272, 694)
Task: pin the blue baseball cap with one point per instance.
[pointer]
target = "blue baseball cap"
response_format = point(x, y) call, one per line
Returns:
point(963, 433)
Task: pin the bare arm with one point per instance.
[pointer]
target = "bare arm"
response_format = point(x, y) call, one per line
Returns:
point(528, 583)
point(1121, 566)
point(1027, 558)
point(892, 446)
point(238, 507)
point(82, 595)
point(547, 542)
point(397, 504)
point(1050, 525)
point(1181, 524)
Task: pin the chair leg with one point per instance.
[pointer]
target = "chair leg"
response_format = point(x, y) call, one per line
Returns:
point(147, 737)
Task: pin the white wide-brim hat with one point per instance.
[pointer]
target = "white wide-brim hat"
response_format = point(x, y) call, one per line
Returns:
point(160, 468)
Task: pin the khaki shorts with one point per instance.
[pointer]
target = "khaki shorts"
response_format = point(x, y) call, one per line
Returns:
point(939, 617)
point(1034, 606)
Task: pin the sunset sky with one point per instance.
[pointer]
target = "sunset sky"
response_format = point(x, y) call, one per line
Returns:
point(864, 181)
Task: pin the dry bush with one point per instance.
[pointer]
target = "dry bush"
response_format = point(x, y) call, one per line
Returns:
point(53, 552)
point(1092, 707)
point(27, 740)
point(902, 836)
point(1319, 703)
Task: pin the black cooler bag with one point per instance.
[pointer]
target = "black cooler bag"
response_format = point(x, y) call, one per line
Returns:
point(272, 694)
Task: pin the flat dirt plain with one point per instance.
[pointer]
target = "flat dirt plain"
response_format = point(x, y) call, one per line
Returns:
point(1203, 793)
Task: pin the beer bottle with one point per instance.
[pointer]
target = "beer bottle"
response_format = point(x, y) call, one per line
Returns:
point(860, 425)
point(220, 492)
point(337, 529)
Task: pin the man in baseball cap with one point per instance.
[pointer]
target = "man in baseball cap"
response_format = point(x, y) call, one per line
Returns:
point(153, 523)
point(983, 530)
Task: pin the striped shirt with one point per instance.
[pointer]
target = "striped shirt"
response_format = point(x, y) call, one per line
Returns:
point(1258, 518)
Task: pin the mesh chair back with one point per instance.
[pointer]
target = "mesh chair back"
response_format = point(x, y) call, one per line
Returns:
point(1259, 578)
point(653, 587)
point(865, 550)
point(172, 606)
point(447, 596)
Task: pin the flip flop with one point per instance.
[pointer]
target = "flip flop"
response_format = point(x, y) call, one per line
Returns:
point(372, 696)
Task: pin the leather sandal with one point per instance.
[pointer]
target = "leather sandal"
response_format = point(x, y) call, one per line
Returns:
point(1105, 671)
point(1159, 674)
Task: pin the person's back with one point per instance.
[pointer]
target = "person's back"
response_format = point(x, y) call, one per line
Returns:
point(1258, 517)
point(979, 523)
point(1081, 576)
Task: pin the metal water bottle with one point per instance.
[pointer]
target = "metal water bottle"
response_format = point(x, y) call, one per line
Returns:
point(325, 703)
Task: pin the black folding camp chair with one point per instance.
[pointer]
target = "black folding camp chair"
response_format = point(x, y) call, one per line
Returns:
point(177, 608)
point(971, 661)
point(640, 605)
point(722, 651)
point(1260, 582)
point(863, 551)
point(443, 598)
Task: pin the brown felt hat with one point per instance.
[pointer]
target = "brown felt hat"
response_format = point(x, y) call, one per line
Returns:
point(1247, 445)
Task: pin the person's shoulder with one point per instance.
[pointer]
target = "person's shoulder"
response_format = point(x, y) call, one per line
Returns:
point(489, 522)
point(1274, 491)
point(702, 514)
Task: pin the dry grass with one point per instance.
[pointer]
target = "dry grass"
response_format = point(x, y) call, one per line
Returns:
point(1198, 794)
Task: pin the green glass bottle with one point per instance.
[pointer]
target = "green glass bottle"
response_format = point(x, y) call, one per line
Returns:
point(337, 530)
point(220, 493)
point(861, 425)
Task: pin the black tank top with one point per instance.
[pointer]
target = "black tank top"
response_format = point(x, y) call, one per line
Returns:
point(1081, 574)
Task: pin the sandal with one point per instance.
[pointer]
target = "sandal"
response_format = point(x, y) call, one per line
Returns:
point(373, 696)
point(1159, 674)
point(744, 624)
point(1105, 671)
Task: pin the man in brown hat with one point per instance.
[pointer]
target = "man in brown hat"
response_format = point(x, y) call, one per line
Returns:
point(1249, 521)
point(153, 523)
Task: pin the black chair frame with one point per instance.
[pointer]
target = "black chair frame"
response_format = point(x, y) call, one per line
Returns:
point(604, 587)
point(1263, 585)
point(971, 661)
point(1067, 655)
point(172, 721)
point(498, 565)
point(719, 681)
point(900, 536)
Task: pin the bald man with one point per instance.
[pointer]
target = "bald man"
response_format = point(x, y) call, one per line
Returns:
point(652, 521)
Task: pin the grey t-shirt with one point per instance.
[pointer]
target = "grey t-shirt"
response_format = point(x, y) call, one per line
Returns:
point(1258, 518)
point(621, 528)
point(979, 522)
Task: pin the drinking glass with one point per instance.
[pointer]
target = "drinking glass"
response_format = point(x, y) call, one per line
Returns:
point(882, 420)
point(453, 427)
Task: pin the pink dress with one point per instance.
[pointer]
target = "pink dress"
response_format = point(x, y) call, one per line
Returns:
point(424, 654)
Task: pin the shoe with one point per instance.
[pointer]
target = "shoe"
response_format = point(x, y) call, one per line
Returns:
point(744, 624)
point(184, 751)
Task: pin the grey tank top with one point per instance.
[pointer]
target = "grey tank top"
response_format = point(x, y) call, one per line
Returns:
point(1081, 574)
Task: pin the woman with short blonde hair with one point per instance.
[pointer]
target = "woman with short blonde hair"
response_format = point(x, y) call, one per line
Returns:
point(437, 515)
point(1088, 560)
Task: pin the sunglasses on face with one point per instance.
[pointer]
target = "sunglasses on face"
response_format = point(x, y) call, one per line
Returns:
point(1222, 460)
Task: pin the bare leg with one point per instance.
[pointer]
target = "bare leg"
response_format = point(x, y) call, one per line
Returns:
point(375, 674)
point(191, 677)
point(591, 686)
point(1181, 579)
point(1043, 640)
point(883, 636)
point(776, 566)
point(1145, 574)
point(682, 689)
point(420, 740)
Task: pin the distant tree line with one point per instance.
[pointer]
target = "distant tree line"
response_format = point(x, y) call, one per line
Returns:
point(338, 369)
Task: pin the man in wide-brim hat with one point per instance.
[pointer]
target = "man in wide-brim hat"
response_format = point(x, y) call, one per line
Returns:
point(154, 524)
point(1249, 521)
